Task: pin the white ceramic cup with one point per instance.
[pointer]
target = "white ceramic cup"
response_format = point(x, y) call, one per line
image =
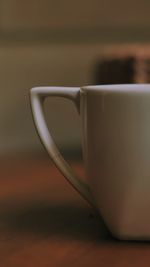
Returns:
point(116, 148)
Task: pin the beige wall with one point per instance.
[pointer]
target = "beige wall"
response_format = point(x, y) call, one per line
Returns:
point(52, 14)
point(75, 34)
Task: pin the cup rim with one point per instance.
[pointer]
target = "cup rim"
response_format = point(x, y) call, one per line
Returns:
point(128, 87)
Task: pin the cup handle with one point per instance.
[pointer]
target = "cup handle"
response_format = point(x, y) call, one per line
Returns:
point(37, 96)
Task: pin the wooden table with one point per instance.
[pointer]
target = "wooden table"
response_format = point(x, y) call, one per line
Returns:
point(44, 222)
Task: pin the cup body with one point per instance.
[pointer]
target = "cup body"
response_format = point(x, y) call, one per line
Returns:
point(116, 148)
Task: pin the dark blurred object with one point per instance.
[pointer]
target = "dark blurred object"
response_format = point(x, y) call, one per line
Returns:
point(115, 71)
point(123, 65)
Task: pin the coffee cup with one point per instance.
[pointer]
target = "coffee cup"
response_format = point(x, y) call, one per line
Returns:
point(115, 123)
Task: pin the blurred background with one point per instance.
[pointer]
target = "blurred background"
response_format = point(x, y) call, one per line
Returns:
point(64, 43)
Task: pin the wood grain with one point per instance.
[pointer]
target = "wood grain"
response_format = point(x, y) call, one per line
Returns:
point(44, 222)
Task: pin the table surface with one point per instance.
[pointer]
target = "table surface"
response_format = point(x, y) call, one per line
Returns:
point(44, 222)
